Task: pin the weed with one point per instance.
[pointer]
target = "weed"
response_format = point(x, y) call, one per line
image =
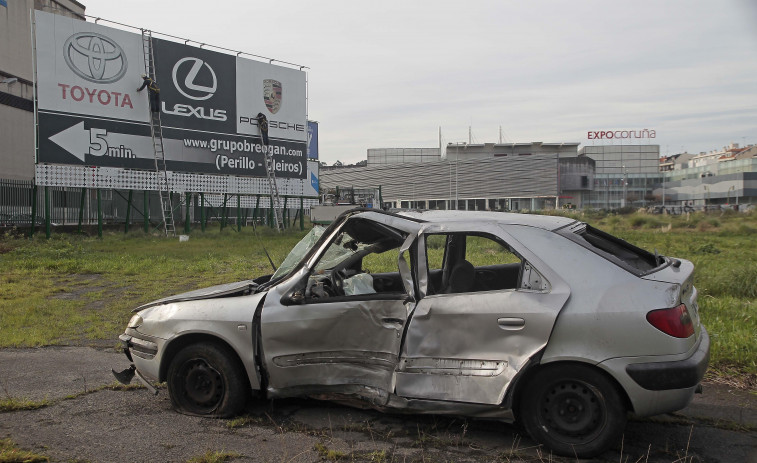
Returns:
point(9, 453)
point(12, 404)
point(242, 421)
point(327, 454)
point(214, 457)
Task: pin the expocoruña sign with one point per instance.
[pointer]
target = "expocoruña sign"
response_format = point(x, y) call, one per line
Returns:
point(620, 134)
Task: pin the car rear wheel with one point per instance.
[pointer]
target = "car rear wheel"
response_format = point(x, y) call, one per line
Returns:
point(206, 379)
point(574, 410)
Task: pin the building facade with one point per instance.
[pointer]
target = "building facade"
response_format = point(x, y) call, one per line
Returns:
point(624, 176)
point(382, 156)
point(16, 82)
point(532, 176)
point(471, 177)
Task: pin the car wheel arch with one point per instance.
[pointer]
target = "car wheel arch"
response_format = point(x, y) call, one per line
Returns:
point(177, 344)
point(514, 399)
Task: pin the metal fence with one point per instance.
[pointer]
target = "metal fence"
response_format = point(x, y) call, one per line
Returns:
point(73, 206)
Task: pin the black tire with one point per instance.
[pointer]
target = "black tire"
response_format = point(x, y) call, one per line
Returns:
point(206, 379)
point(574, 410)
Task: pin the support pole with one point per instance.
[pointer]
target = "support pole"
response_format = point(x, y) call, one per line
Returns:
point(99, 215)
point(186, 213)
point(128, 212)
point(81, 207)
point(285, 213)
point(202, 212)
point(224, 211)
point(47, 212)
point(255, 212)
point(146, 211)
point(302, 213)
point(239, 213)
point(34, 211)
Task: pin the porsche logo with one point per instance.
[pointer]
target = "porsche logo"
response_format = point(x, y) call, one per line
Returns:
point(272, 95)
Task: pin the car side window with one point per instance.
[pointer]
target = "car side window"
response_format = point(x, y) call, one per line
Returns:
point(362, 260)
point(463, 263)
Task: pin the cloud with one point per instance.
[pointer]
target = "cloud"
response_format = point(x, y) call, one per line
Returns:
point(388, 74)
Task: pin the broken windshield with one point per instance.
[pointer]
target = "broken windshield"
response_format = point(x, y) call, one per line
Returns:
point(299, 251)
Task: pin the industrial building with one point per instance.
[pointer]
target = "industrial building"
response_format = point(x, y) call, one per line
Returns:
point(537, 176)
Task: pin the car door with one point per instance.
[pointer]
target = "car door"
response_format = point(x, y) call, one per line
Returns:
point(467, 339)
point(344, 339)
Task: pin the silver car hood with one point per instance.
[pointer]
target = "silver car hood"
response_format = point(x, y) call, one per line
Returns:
point(229, 289)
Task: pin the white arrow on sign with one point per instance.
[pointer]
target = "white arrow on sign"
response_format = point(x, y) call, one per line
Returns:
point(98, 142)
point(74, 139)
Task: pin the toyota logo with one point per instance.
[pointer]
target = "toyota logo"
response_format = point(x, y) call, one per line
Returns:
point(95, 57)
point(189, 87)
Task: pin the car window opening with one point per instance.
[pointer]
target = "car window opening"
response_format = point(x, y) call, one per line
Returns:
point(463, 263)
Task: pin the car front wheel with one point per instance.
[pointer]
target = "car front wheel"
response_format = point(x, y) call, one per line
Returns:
point(206, 379)
point(574, 410)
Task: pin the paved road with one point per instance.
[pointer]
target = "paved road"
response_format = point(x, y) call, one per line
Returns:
point(84, 422)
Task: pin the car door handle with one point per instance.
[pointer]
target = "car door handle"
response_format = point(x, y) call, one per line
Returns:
point(395, 321)
point(511, 323)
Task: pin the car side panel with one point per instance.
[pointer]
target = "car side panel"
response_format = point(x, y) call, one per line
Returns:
point(468, 347)
point(606, 314)
point(228, 319)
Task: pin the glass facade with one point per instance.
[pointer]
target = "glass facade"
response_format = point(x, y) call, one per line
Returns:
point(625, 175)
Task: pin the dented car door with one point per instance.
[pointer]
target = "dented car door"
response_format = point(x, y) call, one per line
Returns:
point(466, 343)
point(328, 330)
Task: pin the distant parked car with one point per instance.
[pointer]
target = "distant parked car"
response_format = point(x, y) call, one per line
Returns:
point(540, 319)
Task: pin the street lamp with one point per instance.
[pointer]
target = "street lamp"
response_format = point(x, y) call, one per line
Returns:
point(9, 80)
point(625, 184)
point(707, 189)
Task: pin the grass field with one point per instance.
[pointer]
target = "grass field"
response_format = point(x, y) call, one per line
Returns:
point(78, 290)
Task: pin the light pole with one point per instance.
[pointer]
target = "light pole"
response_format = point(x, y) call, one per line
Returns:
point(707, 189)
point(625, 184)
point(728, 195)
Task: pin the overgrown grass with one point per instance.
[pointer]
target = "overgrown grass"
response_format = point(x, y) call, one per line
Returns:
point(80, 290)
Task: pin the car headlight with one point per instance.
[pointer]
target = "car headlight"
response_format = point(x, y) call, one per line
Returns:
point(135, 322)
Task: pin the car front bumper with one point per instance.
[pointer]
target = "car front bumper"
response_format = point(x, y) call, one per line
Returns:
point(143, 351)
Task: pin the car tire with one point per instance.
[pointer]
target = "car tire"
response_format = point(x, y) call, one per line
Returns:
point(206, 379)
point(574, 410)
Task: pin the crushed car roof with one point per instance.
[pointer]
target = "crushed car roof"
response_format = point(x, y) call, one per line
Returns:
point(546, 222)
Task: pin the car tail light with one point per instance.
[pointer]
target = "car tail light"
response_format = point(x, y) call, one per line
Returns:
point(675, 321)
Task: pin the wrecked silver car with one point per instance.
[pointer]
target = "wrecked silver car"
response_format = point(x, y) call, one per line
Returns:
point(544, 320)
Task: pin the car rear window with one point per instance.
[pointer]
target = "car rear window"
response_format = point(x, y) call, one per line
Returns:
point(623, 253)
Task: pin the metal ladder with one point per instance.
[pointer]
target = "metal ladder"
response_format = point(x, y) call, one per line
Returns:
point(274, 189)
point(156, 131)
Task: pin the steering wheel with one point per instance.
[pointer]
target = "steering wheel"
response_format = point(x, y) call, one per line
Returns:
point(338, 277)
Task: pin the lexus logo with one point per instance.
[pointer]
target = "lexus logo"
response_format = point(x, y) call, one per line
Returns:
point(192, 72)
point(95, 57)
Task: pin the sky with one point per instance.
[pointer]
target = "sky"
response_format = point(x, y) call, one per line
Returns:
point(390, 74)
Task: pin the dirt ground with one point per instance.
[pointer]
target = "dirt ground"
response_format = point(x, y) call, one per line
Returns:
point(85, 421)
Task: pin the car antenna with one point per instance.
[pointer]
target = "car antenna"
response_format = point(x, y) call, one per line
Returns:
point(255, 229)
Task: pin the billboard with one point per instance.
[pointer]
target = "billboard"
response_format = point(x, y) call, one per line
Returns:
point(90, 113)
